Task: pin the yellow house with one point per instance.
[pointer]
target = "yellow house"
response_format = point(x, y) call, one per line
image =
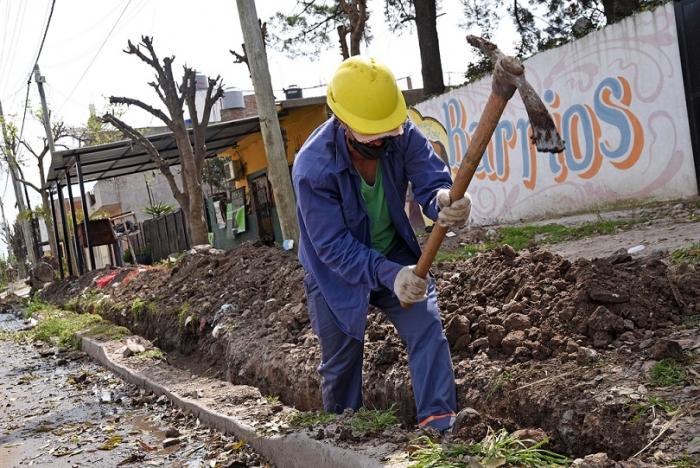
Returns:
point(250, 213)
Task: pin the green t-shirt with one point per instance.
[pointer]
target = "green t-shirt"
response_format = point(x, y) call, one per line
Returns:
point(383, 231)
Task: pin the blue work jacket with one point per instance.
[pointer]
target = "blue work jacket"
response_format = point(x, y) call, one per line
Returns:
point(335, 244)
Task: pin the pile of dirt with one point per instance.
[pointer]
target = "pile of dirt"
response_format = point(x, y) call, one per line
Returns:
point(538, 341)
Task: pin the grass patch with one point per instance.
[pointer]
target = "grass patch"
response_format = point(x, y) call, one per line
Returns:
point(667, 373)
point(272, 400)
point(311, 418)
point(690, 322)
point(154, 353)
point(518, 237)
point(688, 461)
point(366, 420)
point(137, 307)
point(65, 324)
point(691, 255)
point(496, 449)
point(503, 377)
point(185, 318)
point(36, 305)
point(652, 405)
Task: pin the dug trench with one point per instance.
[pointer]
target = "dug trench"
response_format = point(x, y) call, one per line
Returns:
point(538, 342)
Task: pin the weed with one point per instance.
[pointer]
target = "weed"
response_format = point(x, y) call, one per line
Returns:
point(65, 324)
point(687, 461)
point(272, 400)
point(496, 449)
point(504, 376)
point(137, 307)
point(691, 255)
point(667, 373)
point(311, 418)
point(654, 402)
point(366, 420)
point(36, 305)
point(519, 237)
point(154, 353)
point(72, 304)
point(183, 315)
point(690, 322)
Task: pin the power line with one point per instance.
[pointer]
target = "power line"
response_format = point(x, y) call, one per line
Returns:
point(96, 54)
point(29, 79)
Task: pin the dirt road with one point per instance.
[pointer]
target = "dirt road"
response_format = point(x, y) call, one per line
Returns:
point(61, 409)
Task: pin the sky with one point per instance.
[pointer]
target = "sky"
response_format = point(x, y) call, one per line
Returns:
point(81, 56)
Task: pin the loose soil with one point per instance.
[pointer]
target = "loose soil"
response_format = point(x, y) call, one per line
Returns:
point(560, 338)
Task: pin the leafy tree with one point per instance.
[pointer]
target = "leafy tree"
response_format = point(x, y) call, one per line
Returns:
point(96, 132)
point(316, 26)
point(192, 154)
point(399, 13)
point(561, 20)
point(13, 236)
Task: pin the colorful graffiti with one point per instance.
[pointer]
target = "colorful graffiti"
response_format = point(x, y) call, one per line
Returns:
point(606, 131)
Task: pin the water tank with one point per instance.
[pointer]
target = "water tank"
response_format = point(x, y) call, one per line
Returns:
point(201, 81)
point(293, 92)
point(233, 98)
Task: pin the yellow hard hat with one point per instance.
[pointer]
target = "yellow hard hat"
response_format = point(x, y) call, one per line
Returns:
point(363, 93)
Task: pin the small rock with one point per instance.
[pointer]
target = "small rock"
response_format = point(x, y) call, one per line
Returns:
point(517, 322)
point(608, 297)
point(512, 341)
point(597, 460)
point(665, 348)
point(694, 446)
point(496, 334)
point(170, 442)
point(586, 356)
point(456, 328)
point(172, 433)
point(530, 437)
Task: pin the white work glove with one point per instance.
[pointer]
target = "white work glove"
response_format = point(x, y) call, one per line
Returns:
point(453, 213)
point(409, 287)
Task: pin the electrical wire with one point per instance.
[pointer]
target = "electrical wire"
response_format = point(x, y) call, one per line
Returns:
point(95, 57)
point(29, 80)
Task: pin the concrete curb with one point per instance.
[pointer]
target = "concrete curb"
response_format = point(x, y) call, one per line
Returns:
point(286, 451)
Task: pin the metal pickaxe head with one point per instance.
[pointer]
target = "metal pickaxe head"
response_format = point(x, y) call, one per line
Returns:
point(509, 75)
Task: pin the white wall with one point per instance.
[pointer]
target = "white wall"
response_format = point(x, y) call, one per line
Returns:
point(618, 99)
point(131, 192)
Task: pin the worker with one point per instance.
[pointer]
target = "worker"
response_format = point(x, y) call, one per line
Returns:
point(356, 242)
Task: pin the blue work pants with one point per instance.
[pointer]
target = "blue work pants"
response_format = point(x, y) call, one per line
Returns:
point(419, 326)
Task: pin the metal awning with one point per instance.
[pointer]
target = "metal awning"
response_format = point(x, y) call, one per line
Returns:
point(126, 157)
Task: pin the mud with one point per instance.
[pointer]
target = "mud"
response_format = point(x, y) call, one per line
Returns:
point(539, 341)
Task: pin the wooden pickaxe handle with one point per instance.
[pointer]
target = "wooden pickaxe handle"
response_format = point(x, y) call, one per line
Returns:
point(507, 77)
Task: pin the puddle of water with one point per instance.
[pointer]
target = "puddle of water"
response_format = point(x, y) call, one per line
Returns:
point(10, 322)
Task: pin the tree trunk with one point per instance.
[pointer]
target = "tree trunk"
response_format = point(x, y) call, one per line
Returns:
point(616, 10)
point(431, 64)
point(278, 170)
point(48, 220)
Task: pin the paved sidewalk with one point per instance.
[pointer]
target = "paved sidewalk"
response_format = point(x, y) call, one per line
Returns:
point(238, 416)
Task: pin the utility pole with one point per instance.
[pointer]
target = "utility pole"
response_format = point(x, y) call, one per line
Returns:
point(278, 169)
point(14, 173)
point(53, 241)
point(9, 277)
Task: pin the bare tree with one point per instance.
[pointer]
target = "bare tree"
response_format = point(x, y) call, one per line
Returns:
point(192, 151)
point(243, 58)
point(59, 131)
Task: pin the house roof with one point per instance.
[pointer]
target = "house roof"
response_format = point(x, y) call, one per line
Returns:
point(125, 157)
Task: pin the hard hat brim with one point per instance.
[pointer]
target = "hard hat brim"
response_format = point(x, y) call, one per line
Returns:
point(365, 138)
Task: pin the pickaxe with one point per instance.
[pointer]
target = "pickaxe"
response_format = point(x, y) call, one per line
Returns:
point(508, 75)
